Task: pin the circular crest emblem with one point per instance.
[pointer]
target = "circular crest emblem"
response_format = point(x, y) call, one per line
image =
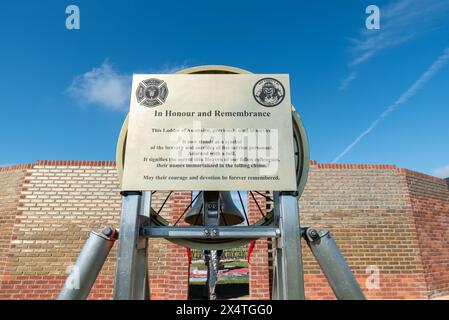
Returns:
point(152, 92)
point(269, 92)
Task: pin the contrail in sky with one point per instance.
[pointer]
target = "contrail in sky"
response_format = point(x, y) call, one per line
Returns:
point(425, 77)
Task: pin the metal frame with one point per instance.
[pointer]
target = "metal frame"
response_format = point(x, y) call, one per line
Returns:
point(285, 230)
point(131, 278)
point(131, 273)
point(288, 281)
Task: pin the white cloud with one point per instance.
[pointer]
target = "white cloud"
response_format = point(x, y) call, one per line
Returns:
point(425, 77)
point(401, 21)
point(106, 87)
point(442, 172)
point(102, 86)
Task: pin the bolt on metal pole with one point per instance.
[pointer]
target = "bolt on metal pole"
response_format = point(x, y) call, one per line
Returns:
point(334, 265)
point(88, 265)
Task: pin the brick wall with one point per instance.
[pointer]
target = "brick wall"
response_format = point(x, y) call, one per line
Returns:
point(380, 216)
point(369, 210)
point(430, 201)
point(48, 210)
point(369, 213)
point(11, 179)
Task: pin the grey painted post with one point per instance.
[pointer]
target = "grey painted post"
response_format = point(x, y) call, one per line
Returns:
point(334, 265)
point(211, 219)
point(125, 275)
point(142, 286)
point(289, 255)
point(277, 290)
point(88, 265)
point(212, 274)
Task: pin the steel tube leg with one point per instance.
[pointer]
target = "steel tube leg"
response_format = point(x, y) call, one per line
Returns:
point(88, 265)
point(125, 275)
point(277, 293)
point(288, 251)
point(212, 274)
point(141, 286)
point(333, 264)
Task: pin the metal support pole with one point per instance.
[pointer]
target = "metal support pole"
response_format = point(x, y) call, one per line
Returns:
point(333, 264)
point(277, 290)
point(289, 275)
point(212, 274)
point(212, 214)
point(131, 270)
point(142, 286)
point(88, 265)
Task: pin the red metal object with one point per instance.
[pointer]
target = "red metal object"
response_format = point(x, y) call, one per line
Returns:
point(250, 250)
point(189, 256)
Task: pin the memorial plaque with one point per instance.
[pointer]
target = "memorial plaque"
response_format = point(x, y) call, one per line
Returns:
point(210, 132)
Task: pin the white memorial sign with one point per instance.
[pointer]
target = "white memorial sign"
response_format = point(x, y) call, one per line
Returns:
point(210, 132)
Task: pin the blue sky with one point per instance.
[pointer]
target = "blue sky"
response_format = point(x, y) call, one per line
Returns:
point(64, 94)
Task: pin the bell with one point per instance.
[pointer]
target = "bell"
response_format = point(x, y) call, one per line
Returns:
point(230, 215)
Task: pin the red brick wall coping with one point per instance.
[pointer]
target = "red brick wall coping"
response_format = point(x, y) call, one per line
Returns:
point(16, 167)
point(75, 163)
point(352, 166)
point(356, 166)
